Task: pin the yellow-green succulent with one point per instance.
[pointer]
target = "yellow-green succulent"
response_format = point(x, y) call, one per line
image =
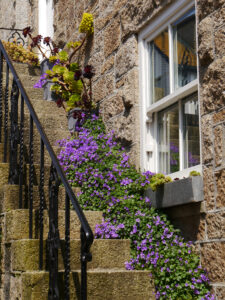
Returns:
point(86, 25)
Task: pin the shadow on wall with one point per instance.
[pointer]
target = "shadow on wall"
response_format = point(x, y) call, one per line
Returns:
point(189, 218)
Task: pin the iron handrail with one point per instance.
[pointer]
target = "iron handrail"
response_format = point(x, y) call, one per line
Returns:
point(14, 32)
point(86, 232)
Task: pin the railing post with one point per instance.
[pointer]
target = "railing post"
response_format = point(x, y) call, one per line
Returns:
point(41, 208)
point(67, 248)
point(14, 135)
point(6, 112)
point(85, 257)
point(53, 235)
point(1, 94)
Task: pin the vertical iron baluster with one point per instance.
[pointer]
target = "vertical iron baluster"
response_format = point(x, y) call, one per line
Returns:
point(85, 257)
point(67, 248)
point(14, 135)
point(53, 235)
point(21, 153)
point(6, 106)
point(1, 94)
point(41, 208)
point(31, 179)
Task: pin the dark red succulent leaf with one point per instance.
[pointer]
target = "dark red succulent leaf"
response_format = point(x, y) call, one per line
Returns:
point(36, 40)
point(88, 71)
point(55, 50)
point(59, 102)
point(77, 74)
point(77, 115)
point(47, 40)
point(26, 31)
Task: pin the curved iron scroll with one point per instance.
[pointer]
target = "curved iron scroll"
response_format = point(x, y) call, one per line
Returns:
point(15, 35)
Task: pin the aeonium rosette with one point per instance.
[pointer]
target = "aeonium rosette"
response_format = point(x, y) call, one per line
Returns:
point(72, 83)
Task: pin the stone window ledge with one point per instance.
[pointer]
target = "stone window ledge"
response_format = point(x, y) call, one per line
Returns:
point(180, 192)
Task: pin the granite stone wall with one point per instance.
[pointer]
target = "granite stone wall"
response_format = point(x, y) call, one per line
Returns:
point(114, 54)
point(211, 51)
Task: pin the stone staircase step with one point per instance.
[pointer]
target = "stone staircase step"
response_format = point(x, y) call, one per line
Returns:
point(50, 121)
point(17, 224)
point(4, 174)
point(24, 69)
point(25, 255)
point(9, 195)
point(102, 285)
point(37, 151)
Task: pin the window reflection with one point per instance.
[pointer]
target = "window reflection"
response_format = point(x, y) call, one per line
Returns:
point(184, 38)
point(159, 69)
point(168, 126)
point(191, 131)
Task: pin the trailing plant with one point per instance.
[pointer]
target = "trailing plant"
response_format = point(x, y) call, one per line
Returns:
point(95, 162)
point(19, 54)
point(194, 173)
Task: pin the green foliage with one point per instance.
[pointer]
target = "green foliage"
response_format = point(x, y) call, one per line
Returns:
point(19, 54)
point(63, 56)
point(194, 173)
point(158, 180)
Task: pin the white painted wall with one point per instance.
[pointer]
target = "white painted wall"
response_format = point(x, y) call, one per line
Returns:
point(45, 18)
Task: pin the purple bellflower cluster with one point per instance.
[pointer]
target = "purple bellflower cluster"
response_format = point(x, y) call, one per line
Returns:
point(95, 162)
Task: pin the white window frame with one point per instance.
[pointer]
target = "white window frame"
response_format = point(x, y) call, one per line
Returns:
point(149, 145)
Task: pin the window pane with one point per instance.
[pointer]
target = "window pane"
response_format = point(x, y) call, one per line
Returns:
point(168, 126)
point(191, 131)
point(185, 61)
point(159, 67)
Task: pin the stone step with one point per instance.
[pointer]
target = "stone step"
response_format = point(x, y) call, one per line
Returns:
point(49, 121)
point(9, 195)
point(37, 151)
point(102, 285)
point(16, 224)
point(106, 254)
point(24, 69)
point(4, 174)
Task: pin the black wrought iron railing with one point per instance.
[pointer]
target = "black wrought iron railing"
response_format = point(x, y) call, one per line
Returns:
point(12, 135)
point(14, 35)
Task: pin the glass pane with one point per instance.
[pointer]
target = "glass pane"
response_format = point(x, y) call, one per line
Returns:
point(184, 38)
point(191, 131)
point(168, 126)
point(159, 67)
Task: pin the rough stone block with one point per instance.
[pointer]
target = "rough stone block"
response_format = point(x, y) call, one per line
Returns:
point(112, 107)
point(112, 37)
point(213, 258)
point(205, 40)
point(207, 139)
point(212, 86)
point(215, 225)
point(219, 42)
point(126, 57)
point(220, 196)
point(218, 145)
point(209, 187)
point(219, 116)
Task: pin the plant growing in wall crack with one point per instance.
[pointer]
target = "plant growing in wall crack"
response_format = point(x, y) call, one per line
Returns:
point(95, 162)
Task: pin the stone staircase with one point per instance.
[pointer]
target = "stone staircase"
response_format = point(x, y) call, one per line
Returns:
point(21, 278)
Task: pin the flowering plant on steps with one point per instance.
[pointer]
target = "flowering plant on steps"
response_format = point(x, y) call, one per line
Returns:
point(72, 84)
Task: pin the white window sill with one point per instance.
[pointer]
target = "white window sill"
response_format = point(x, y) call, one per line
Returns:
point(185, 173)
